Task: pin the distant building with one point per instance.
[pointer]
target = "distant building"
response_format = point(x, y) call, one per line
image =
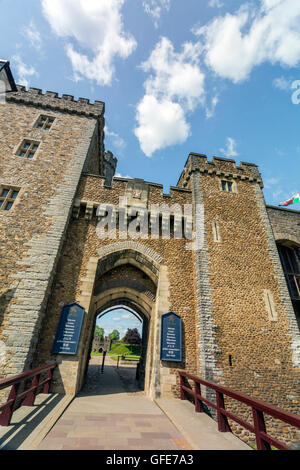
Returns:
point(101, 344)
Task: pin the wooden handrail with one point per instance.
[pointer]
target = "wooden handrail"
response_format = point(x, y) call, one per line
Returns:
point(11, 404)
point(263, 439)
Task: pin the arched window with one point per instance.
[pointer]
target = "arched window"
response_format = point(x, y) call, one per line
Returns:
point(290, 260)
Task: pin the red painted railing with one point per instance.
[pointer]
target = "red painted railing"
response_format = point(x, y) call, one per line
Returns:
point(14, 398)
point(263, 439)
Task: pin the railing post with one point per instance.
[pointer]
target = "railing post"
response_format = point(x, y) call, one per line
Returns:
point(223, 425)
point(259, 426)
point(182, 393)
point(103, 360)
point(46, 386)
point(198, 403)
point(5, 416)
point(29, 400)
point(137, 373)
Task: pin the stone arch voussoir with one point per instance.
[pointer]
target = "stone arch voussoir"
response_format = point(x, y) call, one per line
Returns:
point(287, 237)
point(130, 245)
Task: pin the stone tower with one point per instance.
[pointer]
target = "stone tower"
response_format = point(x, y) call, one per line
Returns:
point(46, 143)
point(237, 294)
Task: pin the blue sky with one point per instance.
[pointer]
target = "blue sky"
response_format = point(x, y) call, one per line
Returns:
point(119, 319)
point(213, 77)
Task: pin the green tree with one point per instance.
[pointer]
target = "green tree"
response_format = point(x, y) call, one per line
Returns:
point(114, 335)
point(132, 336)
point(99, 332)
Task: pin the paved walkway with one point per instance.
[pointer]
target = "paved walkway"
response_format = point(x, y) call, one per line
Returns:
point(111, 413)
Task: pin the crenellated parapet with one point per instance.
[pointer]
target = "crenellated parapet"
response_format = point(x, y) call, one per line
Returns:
point(222, 167)
point(51, 100)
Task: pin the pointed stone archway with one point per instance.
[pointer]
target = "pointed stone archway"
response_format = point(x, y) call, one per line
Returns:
point(109, 302)
point(131, 274)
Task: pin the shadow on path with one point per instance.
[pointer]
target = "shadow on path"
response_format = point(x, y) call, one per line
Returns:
point(114, 380)
point(26, 419)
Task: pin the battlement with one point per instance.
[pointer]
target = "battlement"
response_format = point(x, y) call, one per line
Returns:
point(225, 167)
point(120, 184)
point(51, 100)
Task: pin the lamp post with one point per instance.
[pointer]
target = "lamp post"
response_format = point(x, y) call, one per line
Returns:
point(7, 83)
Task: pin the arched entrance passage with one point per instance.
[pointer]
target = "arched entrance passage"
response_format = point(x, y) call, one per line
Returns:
point(144, 320)
point(117, 308)
point(132, 275)
point(143, 306)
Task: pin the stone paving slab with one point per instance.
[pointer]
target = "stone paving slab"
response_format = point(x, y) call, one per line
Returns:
point(112, 413)
point(30, 424)
point(198, 428)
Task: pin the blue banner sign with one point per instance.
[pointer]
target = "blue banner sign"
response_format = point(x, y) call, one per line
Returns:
point(171, 338)
point(69, 329)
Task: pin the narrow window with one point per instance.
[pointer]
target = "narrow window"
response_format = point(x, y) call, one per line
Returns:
point(291, 270)
point(44, 122)
point(8, 196)
point(227, 186)
point(27, 149)
point(270, 306)
point(230, 359)
point(216, 231)
point(172, 224)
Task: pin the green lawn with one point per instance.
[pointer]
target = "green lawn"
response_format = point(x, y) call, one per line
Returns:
point(133, 352)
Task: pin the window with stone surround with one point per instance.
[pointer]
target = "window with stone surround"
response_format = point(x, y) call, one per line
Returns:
point(291, 269)
point(8, 196)
point(227, 186)
point(216, 231)
point(44, 122)
point(270, 305)
point(28, 148)
point(289, 257)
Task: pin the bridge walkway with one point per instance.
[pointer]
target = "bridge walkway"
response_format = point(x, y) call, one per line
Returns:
point(111, 413)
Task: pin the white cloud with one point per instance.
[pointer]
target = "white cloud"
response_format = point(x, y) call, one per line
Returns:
point(33, 35)
point(215, 3)
point(175, 86)
point(282, 83)
point(154, 8)
point(211, 110)
point(277, 193)
point(280, 153)
point(23, 71)
point(161, 123)
point(119, 175)
point(230, 149)
point(175, 76)
point(117, 141)
point(235, 43)
point(96, 26)
point(270, 182)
